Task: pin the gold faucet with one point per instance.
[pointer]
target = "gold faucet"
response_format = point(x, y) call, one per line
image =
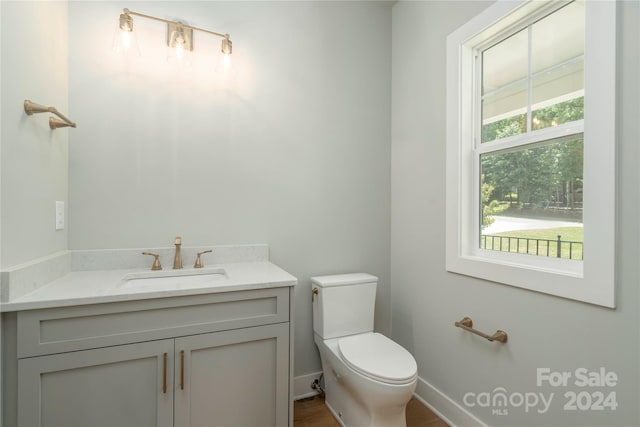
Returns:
point(177, 260)
point(156, 262)
point(198, 263)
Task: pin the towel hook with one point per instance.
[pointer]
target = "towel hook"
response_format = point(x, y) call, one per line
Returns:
point(31, 107)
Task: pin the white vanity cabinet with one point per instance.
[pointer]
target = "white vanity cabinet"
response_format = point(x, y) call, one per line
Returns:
point(219, 359)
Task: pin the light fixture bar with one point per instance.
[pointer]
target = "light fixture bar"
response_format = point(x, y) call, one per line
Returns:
point(127, 12)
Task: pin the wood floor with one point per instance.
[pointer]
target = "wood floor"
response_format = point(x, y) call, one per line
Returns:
point(312, 412)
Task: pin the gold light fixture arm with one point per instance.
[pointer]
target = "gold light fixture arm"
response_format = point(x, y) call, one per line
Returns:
point(34, 108)
point(467, 324)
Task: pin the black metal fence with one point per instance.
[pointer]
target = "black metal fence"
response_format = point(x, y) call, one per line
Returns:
point(542, 247)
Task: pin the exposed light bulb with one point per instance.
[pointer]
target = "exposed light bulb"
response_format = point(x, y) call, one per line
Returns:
point(179, 51)
point(226, 47)
point(125, 42)
point(126, 39)
point(179, 44)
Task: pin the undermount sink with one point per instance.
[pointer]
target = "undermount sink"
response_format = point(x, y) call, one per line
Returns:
point(174, 278)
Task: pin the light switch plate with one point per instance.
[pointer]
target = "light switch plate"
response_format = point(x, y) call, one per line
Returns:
point(59, 215)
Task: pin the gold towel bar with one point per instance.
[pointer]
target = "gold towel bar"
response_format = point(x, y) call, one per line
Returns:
point(467, 325)
point(31, 108)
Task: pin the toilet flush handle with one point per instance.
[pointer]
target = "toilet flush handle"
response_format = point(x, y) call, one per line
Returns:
point(314, 292)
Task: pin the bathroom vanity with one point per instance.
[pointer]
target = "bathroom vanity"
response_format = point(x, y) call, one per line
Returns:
point(214, 353)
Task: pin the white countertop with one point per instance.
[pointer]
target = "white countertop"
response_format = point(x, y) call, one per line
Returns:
point(104, 286)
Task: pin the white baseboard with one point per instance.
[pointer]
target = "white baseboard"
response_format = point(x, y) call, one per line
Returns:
point(302, 386)
point(446, 408)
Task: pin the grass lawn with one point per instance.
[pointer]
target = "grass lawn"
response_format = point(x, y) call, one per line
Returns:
point(542, 242)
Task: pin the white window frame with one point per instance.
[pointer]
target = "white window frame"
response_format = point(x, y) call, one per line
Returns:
point(591, 280)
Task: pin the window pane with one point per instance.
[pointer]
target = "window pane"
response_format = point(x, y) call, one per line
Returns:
point(505, 63)
point(556, 114)
point(504, 88)
point(558, 37)
point(530, 196)
point(505, 113)
point(557, 48)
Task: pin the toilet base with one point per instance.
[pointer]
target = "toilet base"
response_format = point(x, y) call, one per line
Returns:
point(356, 405)
point(358, 418)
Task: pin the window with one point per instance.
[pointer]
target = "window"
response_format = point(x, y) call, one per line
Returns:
point(531, 148)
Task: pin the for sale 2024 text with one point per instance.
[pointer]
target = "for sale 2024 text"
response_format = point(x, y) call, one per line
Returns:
point(593, 397)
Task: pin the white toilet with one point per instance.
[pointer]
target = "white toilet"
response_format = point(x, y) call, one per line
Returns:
point(368, 378)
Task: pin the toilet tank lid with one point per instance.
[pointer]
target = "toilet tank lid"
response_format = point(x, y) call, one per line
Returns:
point(343, 279)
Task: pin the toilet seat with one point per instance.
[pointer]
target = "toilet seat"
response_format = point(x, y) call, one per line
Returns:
point(378, 357)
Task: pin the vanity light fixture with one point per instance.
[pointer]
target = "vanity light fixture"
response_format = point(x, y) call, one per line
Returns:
point(179, 41)
point(179, 35)
point(125, 41)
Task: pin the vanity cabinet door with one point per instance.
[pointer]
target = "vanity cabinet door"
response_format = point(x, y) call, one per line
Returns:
point(233, 378)
point(112, 386)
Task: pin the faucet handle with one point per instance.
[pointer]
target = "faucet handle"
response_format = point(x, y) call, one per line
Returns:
point(198, 263)
point(156, 262)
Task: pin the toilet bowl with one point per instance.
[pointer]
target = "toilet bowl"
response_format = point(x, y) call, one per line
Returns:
point(368, 378)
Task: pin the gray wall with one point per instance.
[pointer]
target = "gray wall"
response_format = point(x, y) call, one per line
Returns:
point(33, 160)
point(544, 331)
point(34, 169)
point(289, 148)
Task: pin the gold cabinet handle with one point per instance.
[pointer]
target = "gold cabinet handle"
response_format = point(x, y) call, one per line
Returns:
point(182, 370)
point(164, 373)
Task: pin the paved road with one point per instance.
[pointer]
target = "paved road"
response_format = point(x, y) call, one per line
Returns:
point(509, 223)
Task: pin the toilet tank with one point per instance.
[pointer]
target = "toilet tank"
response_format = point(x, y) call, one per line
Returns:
point(344, 304)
